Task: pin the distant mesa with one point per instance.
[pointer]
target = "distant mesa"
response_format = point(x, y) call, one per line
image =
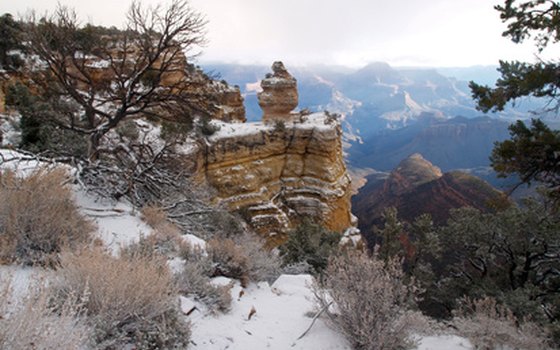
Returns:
point(279, 94)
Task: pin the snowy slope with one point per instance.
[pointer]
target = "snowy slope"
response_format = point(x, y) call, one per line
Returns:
point(283, 311)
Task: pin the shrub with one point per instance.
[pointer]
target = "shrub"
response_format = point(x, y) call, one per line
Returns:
point(129, 300)
point(32, 323)
point(370, 301)
point(154, 216)
point(207, 128)
point(156, 244)
point(489, 325)
point(231, 261)
point(38, 217)
point(172, 131)
point(38, 133)
point(264, 264)
point(279, 127)
point(244, 258)
point(194, 280)
point(310, 243)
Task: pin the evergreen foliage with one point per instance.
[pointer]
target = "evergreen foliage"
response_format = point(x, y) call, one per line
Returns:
point(10, 43)
point(539, 19)
point(512, 256)
point(533, 152)
point(310, 243)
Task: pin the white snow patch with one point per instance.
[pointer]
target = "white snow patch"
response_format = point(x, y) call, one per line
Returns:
point(228, 130)
point(8, 130)
point(21, 164)
point(444, 342)
point(118, 223)
point(195, 242)
point(279, 320)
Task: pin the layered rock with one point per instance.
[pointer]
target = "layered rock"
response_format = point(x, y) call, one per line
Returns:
point(277, 174)
point(279, 95)
point(276, 177)
point(418, 187)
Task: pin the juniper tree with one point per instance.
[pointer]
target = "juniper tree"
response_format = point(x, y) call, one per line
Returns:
point(113, 75)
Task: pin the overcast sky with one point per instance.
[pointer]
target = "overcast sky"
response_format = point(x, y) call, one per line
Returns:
point(349, 32)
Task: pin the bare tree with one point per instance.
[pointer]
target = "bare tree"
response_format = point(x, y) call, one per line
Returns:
point(109, 75)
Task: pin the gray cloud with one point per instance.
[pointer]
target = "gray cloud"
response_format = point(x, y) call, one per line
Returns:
point(353, 32)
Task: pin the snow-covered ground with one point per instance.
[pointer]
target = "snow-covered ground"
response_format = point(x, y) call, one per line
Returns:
point(282, 311)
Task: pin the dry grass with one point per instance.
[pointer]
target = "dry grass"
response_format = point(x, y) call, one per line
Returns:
point(167, 244)
point(370, 301)
point(157, 218)
point(130, 300)
point(38, 217)
point(489, 325)
point(32, 323)
point(231, 261)
point(154, 216)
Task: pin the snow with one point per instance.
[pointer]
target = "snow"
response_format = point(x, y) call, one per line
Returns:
point(279, 320)
point(444, 342)
point(313, 121)
point(228, 130)
point(22, 164)
point(118, 223)
point(195, 242)
point(99, 64)
point(8, 130)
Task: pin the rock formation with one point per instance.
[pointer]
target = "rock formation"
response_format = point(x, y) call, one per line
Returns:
point(279, 94)
point(277, 175)
point(230, 106)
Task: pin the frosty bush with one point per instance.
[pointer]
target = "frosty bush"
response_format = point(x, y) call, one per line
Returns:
point(370, 300)
point(489, 325)
point(129, 300)
point(38, 217)
point(164, 244)
point(230, 260)
point(193, 280)
point(244, 258)
point(32, 323)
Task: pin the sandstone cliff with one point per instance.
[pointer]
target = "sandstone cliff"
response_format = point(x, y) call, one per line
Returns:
point(275, 174)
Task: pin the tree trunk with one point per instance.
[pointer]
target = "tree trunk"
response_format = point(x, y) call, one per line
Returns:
point(93, 146)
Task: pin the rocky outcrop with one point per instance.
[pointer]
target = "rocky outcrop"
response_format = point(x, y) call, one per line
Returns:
point(275, 177)
point(229, 103)
point(277, 174)
point(279, 95)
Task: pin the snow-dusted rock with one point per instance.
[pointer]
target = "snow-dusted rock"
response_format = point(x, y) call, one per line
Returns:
point(279, 95)
point(277, 176)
